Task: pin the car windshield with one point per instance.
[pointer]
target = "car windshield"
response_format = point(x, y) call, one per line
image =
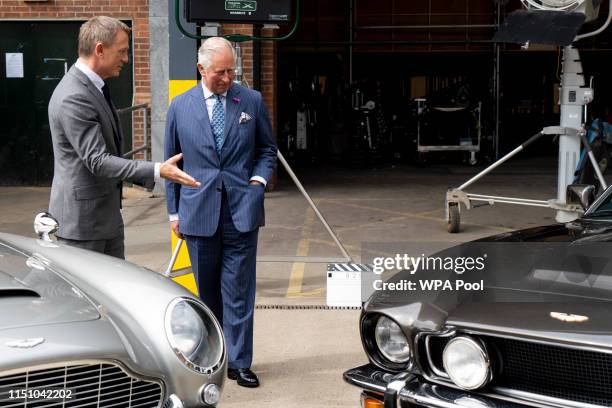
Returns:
point(604, 209)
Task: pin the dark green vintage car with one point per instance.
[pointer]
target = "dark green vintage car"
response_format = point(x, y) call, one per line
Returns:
point(538, 335)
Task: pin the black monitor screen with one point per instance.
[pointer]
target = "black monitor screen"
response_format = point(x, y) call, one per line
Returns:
point(247, 11)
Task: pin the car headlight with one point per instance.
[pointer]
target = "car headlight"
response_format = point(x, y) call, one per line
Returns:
point(391, 341)
point(211, 394)
point(194, 335)
point(467, 363)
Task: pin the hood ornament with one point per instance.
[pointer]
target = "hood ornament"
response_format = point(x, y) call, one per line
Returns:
point(45, 226)
point(26, 343)
point(569, 318)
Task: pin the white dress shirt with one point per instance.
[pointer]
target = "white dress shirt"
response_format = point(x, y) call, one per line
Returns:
point(93, 77)
point(210, 100)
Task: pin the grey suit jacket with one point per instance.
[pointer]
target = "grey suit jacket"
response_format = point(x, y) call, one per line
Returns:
point(87, 174)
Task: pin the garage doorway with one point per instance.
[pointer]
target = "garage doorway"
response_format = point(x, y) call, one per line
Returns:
point(34, 55)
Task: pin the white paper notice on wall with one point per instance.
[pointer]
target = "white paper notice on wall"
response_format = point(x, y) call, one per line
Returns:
point(14, 65)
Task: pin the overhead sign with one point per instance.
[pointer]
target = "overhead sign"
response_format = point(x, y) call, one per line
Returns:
point(239, 11)
point(245, 6)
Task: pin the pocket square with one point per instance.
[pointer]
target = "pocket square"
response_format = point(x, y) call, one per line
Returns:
point(244, 117)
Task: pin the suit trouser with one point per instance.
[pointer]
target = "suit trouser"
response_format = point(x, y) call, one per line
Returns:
point(113, 247)
point(224, 269)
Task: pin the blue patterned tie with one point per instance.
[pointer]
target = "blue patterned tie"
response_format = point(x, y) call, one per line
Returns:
point(218, 122)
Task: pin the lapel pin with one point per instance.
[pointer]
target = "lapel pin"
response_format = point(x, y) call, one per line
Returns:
point(236, 100)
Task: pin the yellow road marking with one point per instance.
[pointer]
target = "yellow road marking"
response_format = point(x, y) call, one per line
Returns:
point(419, 216)
point(310, 293)
point(296, 279)
point(373, 223)
point(297, 270)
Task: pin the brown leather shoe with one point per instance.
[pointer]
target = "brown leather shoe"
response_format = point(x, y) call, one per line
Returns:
point(243, 376)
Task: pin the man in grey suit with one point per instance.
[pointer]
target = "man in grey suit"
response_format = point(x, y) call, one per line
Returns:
point(224, 132)
point(88, 167)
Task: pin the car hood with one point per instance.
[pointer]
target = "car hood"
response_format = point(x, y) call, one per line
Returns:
point(563, 322)
point(584, 323)
point(580, 230)
point(530, 290)
point(35, 294)
point(127, 324)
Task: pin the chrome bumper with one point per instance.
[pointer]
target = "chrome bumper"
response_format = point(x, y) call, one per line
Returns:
point(405, 390)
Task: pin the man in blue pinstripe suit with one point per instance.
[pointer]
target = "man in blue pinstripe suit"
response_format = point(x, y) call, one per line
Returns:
point(225, 135)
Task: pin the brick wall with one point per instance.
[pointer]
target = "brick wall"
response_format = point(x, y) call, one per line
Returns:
point(268, 74)
point(268, 70)
point(268, 64)
point(269, 84)
point(135, 10)
point(246, 47)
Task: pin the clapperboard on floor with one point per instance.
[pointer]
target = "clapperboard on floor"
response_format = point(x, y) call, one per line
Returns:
point(348, 284)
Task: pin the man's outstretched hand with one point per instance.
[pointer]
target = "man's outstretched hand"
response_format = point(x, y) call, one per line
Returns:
point(170, 171)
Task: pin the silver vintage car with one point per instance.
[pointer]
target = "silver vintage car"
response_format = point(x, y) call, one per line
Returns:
point(79, 329)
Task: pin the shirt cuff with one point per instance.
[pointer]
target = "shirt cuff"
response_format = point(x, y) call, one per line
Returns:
point(260, 179)
point(173, 217)
point(156, 173)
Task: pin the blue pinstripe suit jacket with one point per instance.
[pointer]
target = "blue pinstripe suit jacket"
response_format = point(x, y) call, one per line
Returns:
point(248, 150)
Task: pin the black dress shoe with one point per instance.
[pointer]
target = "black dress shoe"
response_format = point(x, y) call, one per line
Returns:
point(243, 376)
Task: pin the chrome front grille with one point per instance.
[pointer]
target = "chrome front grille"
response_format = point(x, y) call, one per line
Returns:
point(536, 371)
point(583, 376)
point(78, 386)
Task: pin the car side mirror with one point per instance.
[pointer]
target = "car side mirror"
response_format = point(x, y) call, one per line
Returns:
point(45, 225)
point(580, 194)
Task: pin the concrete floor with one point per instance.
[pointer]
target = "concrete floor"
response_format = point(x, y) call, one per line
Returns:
point(301, 354)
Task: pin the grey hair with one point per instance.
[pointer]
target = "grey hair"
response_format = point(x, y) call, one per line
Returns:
point(99, 29)
point(212, 46)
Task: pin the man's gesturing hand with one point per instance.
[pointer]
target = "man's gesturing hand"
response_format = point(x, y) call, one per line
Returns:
point(170, 171)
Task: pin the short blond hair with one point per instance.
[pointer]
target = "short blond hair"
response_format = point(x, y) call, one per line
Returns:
point(99, 29)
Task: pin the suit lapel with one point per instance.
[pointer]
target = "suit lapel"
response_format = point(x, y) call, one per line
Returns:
point(118, 128)
point(99, 98)
point(200, 112)
point(233, 105)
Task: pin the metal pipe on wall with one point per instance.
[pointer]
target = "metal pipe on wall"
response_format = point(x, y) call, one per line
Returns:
point(425, 27)
point(257, 59)
point(350, 44)
point(351, 38)
point(497, 87)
